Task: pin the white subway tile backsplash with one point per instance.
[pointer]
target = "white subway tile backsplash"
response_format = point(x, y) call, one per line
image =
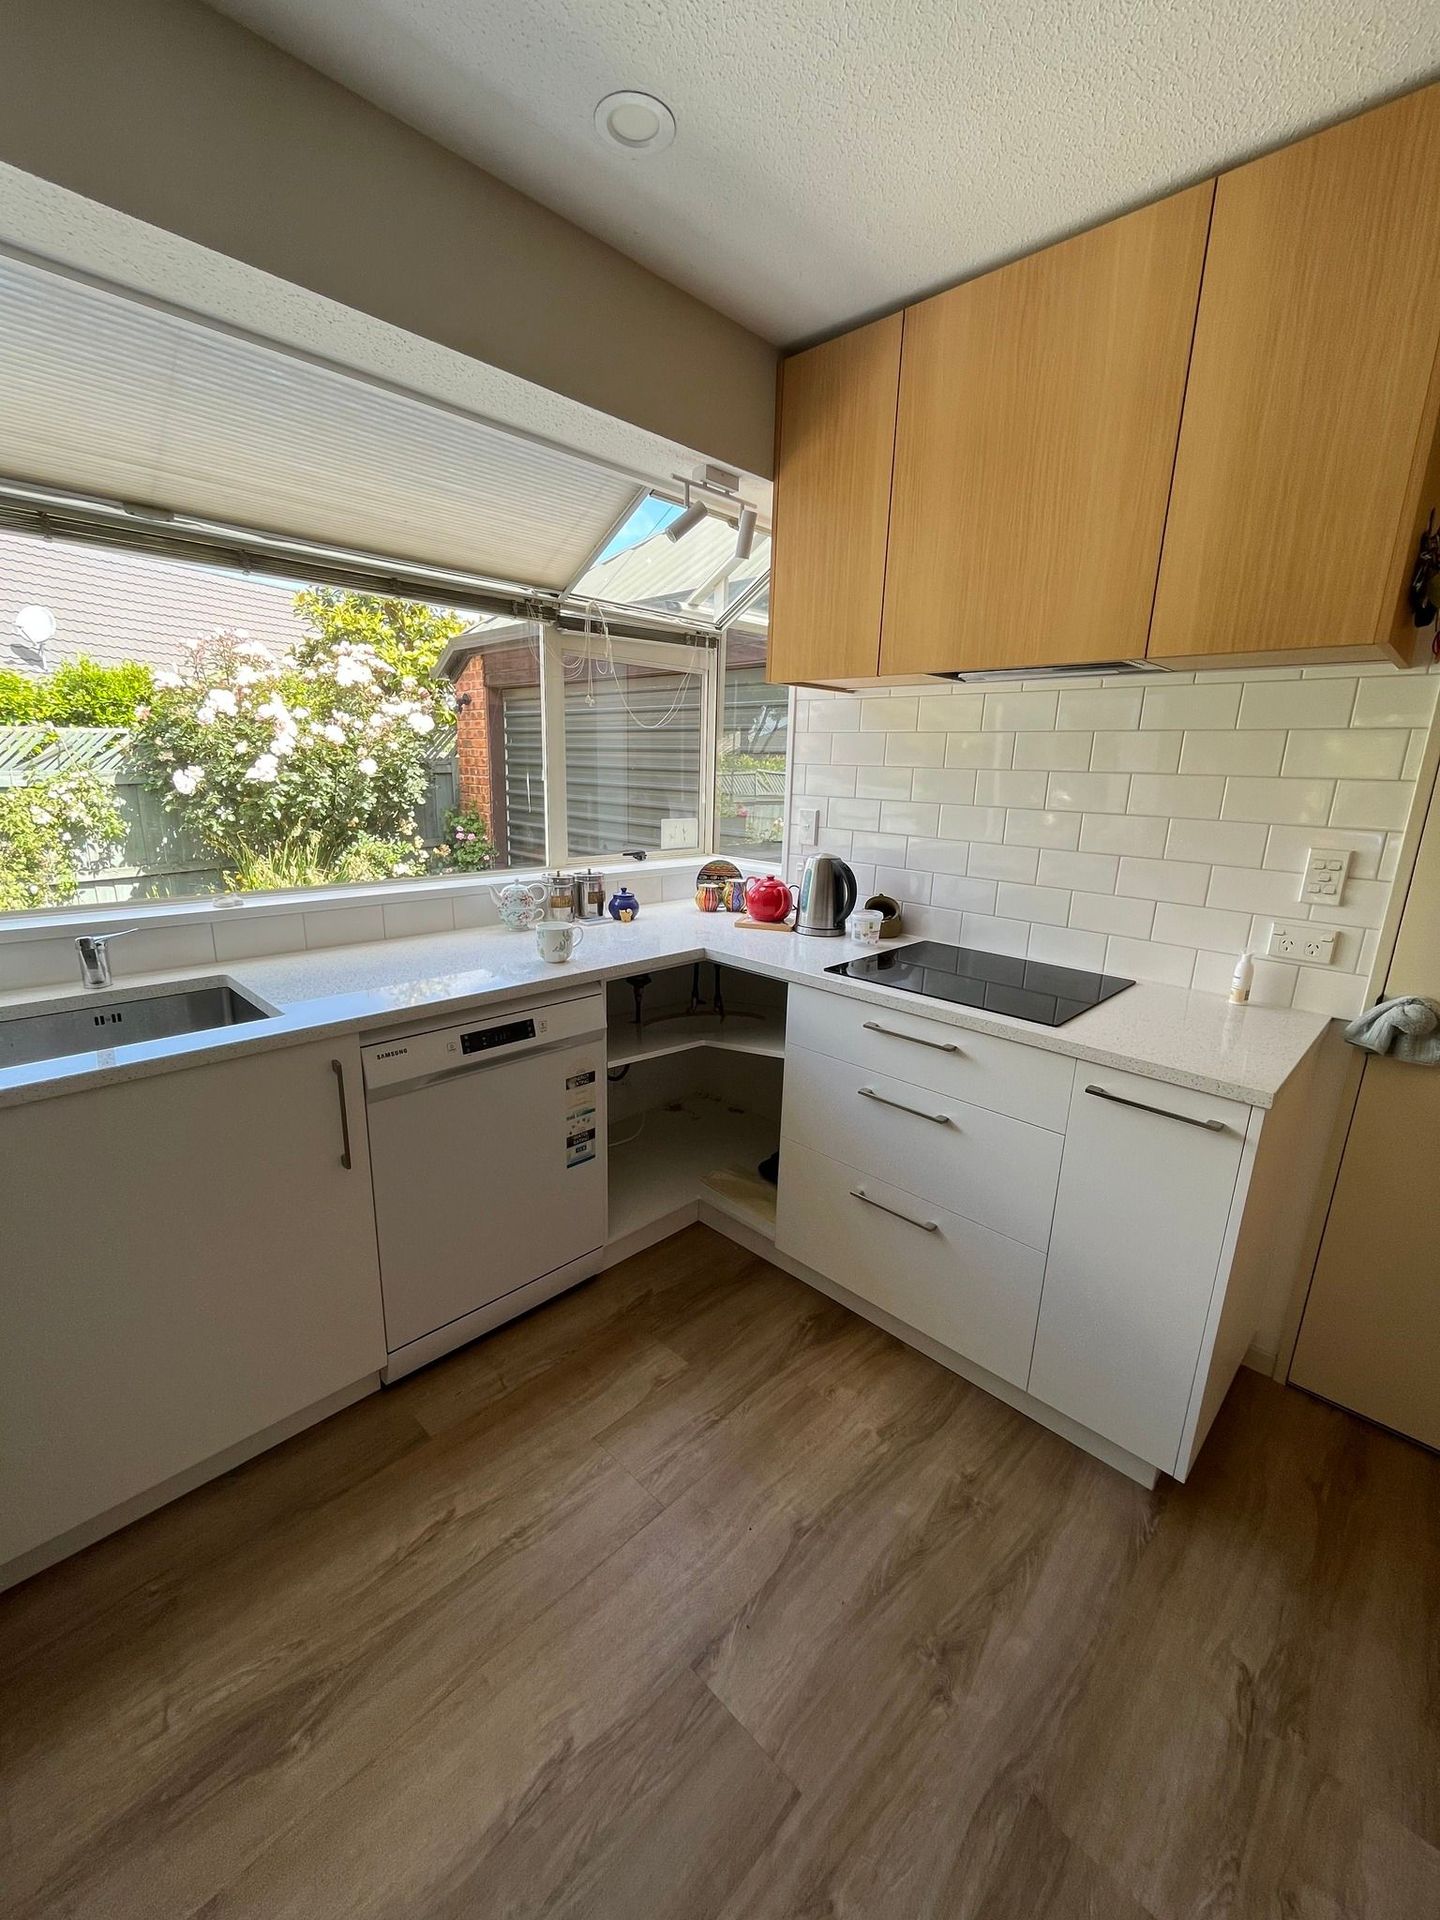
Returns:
point(1005, 788)
point(1036, 827)
point(1298, 703)
point(1323, 990)
point(157, 949)
point(1179, 880)
point(1108, 913)
point(1104, 707)
point(1372, 803)
point(1254, 890)
point(991, 862)
point(885, 783)
point(1088, 792)
point(978, 749)
point(1234, 843)
point(1353, 753)
point(1048, 904)
point(1280, 802)
point(952, 712)
point(857, 815)
point(1047, 750)
point(954, 784)
point(246, 936)
point(1233, 752)
point(822, 782)
point(914, 749)
point(1138, 752)
point(1208, 928)
point(343, 926)
point(994, 935)
point(1010, 712)
point(889, 714)
point(37, 963)
point(1146, 960)
point(965, 894)
point(1093, 872)
point(1206, 705)
point(1397, 700)
point(1122, 833)
point(932, 923)
point(1156, 830)
point(1186, 796)
point(406, 918)
point(904, 883)
point(972, 823)
point(1067, 947)
point(920, 817)
point(939, 856)
point(831, 840)
point(857, 749)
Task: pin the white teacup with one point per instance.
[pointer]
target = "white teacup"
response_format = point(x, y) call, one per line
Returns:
point(557, 939)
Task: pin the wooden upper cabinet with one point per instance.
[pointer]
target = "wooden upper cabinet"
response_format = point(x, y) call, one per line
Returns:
point(836, 443)
point(1301, 480)
point(1039, 410)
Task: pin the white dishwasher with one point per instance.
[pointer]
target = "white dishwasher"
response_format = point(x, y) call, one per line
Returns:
point(487, 1150)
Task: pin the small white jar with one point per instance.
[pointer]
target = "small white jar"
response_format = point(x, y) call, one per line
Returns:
point(864, 925)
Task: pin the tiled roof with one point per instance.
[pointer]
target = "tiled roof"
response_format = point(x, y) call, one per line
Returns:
point(119, 606)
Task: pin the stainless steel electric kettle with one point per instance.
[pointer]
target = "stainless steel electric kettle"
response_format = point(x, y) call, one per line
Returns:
point(827, 895)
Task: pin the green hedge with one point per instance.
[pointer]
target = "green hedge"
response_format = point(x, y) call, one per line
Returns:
point(79, 693)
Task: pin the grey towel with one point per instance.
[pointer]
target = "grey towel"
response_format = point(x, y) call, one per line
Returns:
point(1406, 1029)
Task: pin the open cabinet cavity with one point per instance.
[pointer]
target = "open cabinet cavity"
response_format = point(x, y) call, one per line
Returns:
point(695, 1083)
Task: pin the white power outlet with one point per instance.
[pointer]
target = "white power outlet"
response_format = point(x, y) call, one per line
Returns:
point(680, 830)
point(1303, 940)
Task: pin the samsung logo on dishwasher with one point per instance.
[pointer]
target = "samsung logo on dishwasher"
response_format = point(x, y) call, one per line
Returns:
point(392, 1053)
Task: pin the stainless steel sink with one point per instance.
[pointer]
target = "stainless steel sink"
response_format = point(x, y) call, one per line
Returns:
point(120, 1019)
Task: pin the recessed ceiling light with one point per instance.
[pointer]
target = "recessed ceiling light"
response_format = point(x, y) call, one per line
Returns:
point(634, 122)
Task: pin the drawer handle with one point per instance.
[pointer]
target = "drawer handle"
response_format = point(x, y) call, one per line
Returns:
point(925, 1226)
point(1165, 1113)
point(894, 1033)
point(869, 1093)
point(339, 1071)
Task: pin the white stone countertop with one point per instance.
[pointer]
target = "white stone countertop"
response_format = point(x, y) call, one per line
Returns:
point(1165, 1033)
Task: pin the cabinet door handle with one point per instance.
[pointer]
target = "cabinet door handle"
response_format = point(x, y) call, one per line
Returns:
point(869, 1093)
point(894, 1033)
point(925, 1226)
point(339, 1071)
point(1165, 1113)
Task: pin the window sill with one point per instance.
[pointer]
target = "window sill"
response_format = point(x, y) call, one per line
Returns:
point(58, 923)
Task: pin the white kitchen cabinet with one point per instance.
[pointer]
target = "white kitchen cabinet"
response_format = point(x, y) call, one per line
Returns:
point(188, 1262)
point(1146, 1187)
point(973, 1290)
point(997, 1171)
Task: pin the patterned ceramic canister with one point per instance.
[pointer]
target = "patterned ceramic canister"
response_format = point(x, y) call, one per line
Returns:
point(708, 897)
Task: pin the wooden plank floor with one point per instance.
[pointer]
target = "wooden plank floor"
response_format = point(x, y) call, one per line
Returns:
point(693, 1595)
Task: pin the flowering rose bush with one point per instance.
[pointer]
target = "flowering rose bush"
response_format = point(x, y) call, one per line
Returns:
point(467, 847)
point(298, 760)
point(46, 829)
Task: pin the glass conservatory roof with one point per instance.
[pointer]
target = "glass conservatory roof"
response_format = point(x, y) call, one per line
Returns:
point(699, 574)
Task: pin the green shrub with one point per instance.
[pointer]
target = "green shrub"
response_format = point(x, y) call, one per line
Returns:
point(468, 847)
point(46, 828)
point(79, 693)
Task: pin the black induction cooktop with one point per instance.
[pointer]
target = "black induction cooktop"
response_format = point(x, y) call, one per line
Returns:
point(1025, 989)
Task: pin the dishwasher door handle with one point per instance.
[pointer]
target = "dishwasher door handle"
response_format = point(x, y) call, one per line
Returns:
point(338, 1069)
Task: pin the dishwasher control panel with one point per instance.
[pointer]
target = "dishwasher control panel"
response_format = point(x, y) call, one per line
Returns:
point(401, 1058)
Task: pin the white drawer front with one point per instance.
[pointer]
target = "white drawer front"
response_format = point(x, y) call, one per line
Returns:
point(1003, 1075)
point(1145, 1194)
point(971, 1289)
point(995, 1170)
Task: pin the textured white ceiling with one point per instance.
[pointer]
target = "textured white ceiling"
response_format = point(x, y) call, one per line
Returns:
point(834, 159)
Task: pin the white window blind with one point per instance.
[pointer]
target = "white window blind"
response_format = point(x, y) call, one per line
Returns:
point(103, 395)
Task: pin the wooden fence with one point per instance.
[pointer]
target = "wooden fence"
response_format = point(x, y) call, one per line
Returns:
point(158, 858)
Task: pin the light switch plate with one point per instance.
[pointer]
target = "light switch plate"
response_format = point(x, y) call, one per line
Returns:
point(680, 830)
point(1326, 869)
point(1303, 940)
point(807, 826)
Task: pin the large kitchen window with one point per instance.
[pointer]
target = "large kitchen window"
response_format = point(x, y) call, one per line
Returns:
point(362, 635)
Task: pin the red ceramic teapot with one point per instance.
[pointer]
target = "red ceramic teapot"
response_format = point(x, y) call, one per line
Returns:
point(768, 899)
